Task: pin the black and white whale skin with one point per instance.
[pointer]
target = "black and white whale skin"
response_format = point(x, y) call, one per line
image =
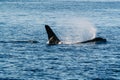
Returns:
point(53, 39)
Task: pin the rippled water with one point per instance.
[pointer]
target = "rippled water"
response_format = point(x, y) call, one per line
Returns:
point(28, 61)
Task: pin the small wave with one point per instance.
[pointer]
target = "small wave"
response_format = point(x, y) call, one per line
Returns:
point(9, 79)
point(28, 41)
point(103, 79)
point(2, 23)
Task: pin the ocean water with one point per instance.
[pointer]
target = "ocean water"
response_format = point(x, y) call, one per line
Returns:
point(72, 21)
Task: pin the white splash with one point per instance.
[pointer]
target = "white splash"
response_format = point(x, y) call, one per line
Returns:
point(74, 30)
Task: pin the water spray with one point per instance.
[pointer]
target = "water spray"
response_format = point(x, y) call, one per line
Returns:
point(76, 30)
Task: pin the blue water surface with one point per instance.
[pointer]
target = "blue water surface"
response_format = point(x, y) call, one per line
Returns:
point(29, 61)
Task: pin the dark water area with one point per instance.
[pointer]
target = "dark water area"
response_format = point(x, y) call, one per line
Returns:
point(24, 21)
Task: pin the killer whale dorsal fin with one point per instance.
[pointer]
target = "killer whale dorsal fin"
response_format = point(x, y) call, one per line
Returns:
point(53, 39)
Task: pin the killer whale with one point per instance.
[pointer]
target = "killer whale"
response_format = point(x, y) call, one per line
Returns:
point(53, 39)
